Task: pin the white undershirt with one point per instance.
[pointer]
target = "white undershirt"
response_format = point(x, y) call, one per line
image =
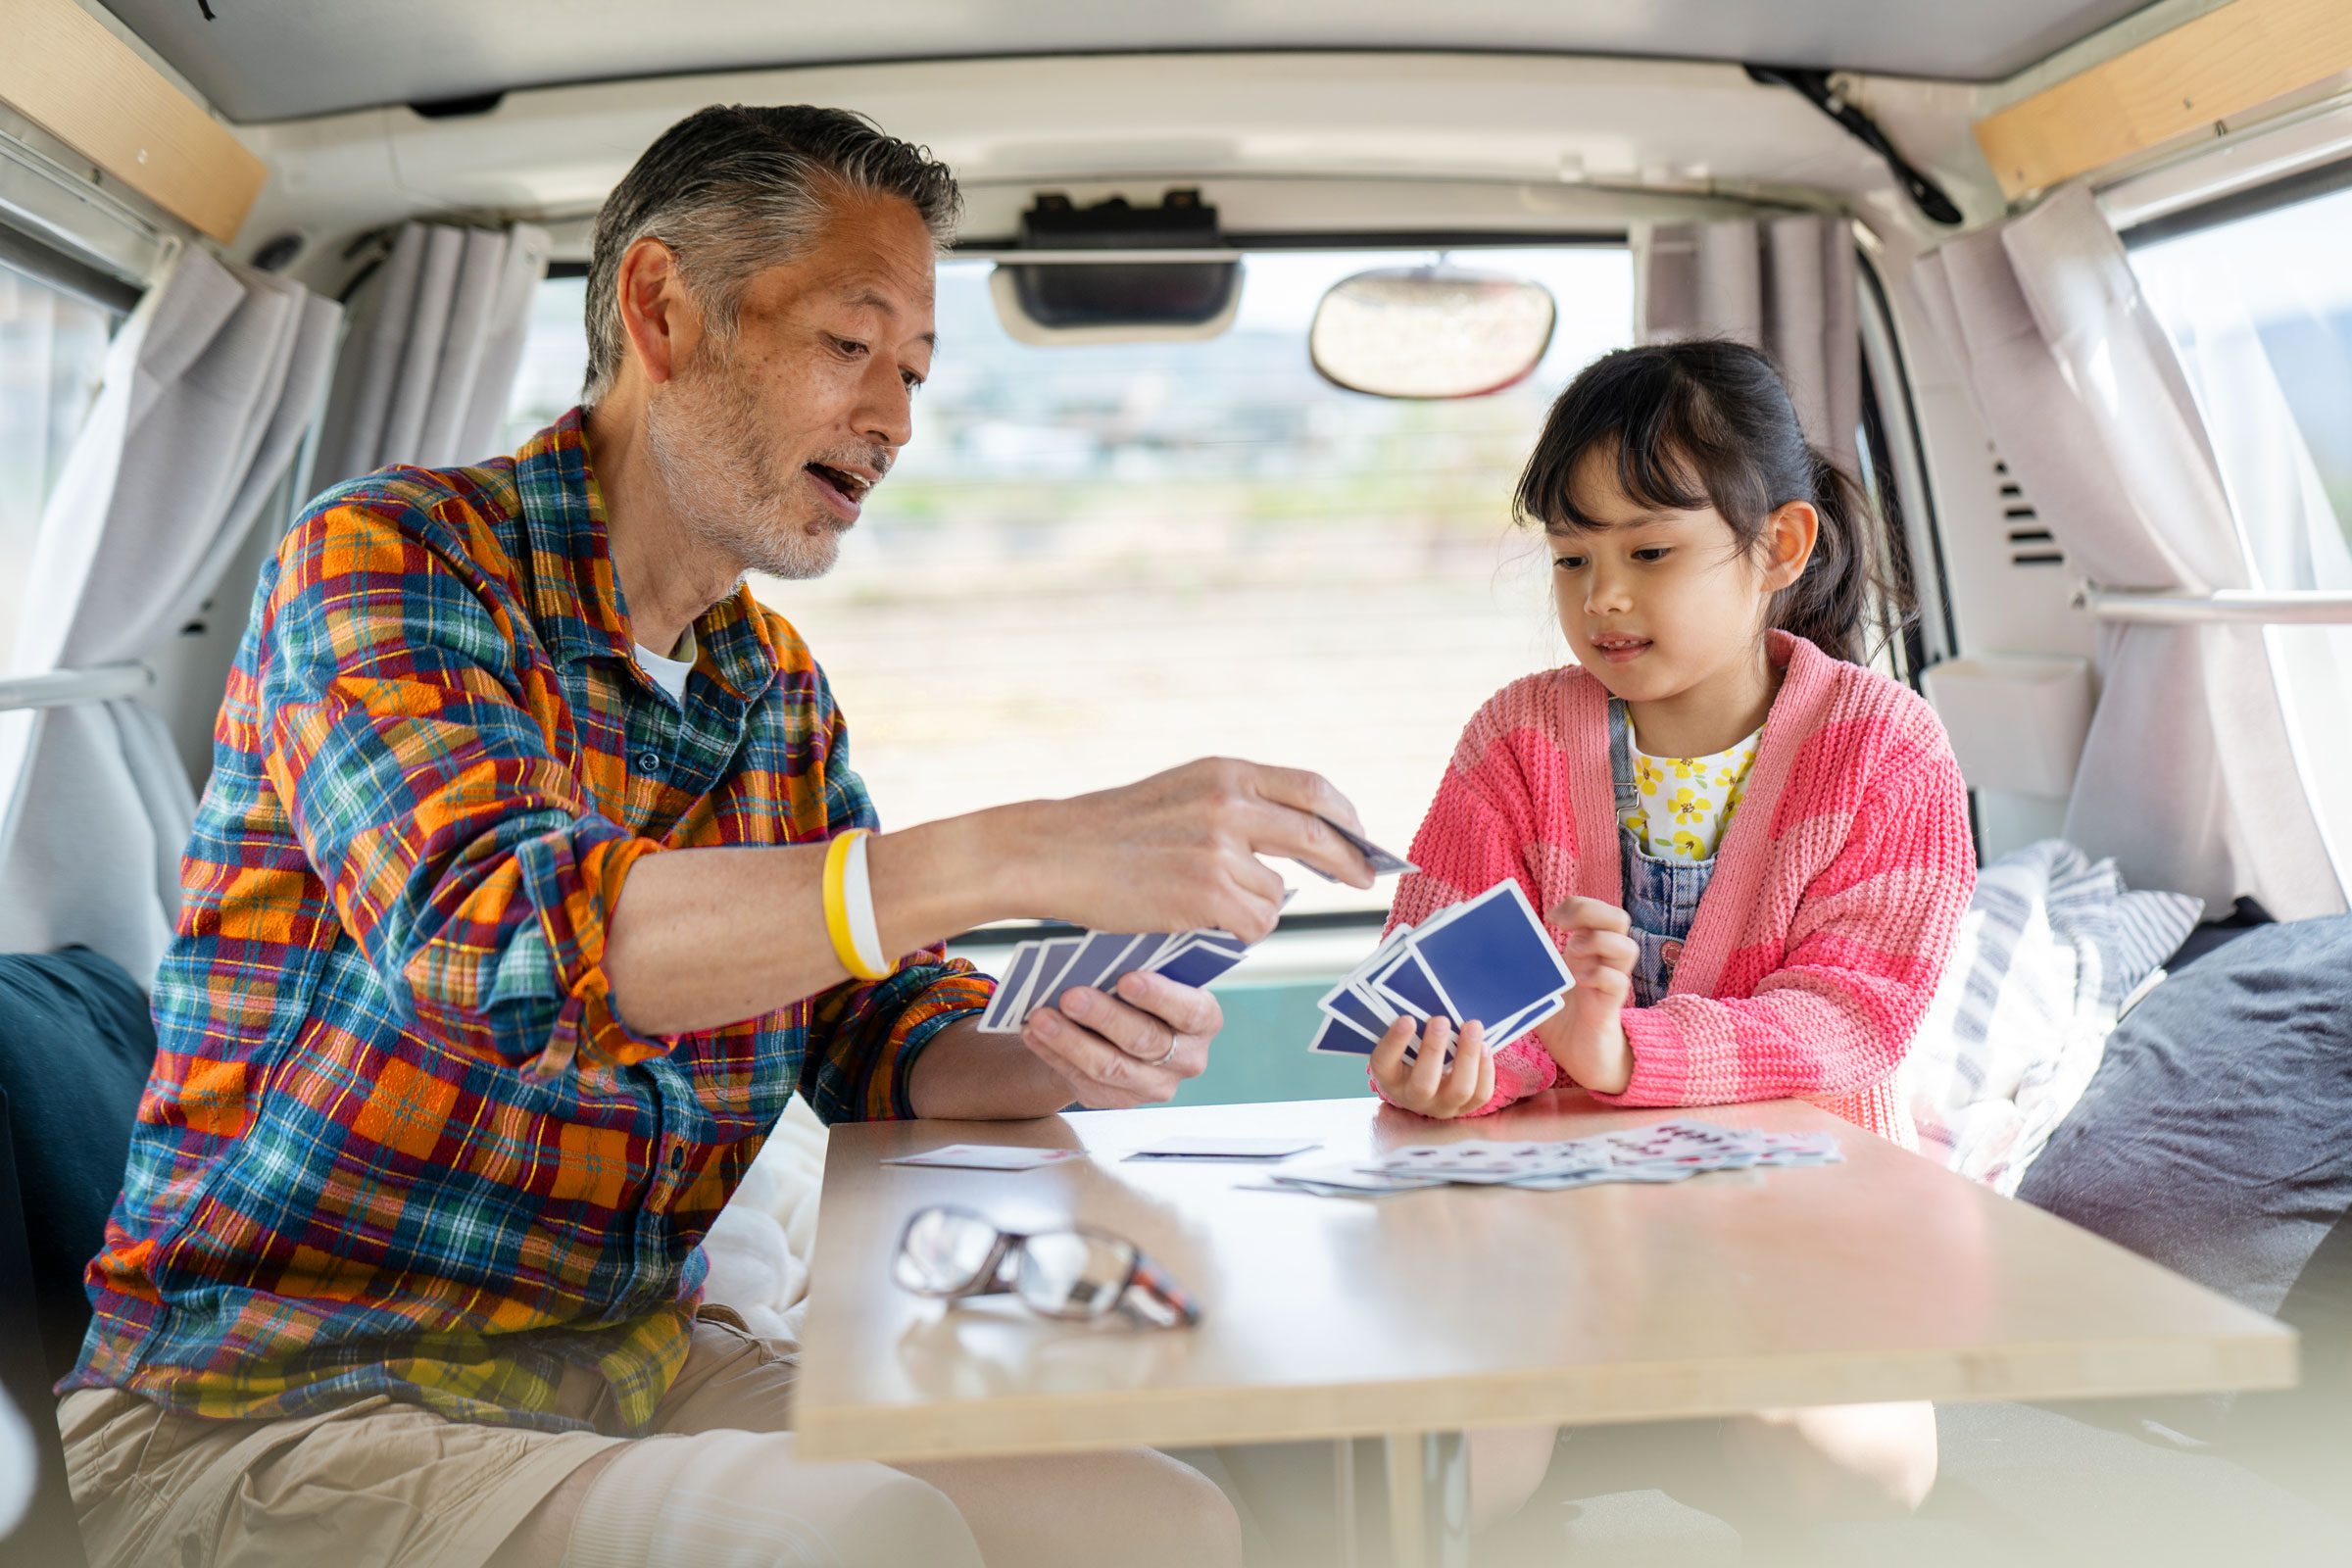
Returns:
point(669, 673)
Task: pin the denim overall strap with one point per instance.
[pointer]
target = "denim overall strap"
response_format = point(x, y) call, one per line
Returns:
point(1661, 897)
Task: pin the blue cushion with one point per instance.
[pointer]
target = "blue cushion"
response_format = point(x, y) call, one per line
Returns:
point(76, 1045)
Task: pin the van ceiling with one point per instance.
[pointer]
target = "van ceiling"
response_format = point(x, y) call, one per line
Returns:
point(264, 60)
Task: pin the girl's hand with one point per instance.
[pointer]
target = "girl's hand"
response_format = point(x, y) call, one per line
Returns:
point(1587, 1037)
point(1426, 1083)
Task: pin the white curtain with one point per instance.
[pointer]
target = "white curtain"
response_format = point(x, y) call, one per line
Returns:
point(208, 389)
point(2187, 778)
point(435, 340)
point(1785, 285)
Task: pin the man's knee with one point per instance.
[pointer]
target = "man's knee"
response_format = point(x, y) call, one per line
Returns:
point(1181, 1516)
point(893, 1519)
point(744, 1499)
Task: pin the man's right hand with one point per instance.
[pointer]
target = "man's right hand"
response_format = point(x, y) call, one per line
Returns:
point(1181, 848)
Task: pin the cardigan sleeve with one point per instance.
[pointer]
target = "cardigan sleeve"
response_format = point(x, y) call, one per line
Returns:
point(1866, 946)
point(1483, 827)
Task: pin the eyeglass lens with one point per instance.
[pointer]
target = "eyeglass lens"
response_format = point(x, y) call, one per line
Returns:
point(944, 1252)
point(1074, 1273)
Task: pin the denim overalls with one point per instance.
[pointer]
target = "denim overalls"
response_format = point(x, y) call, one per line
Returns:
point(1661, 897)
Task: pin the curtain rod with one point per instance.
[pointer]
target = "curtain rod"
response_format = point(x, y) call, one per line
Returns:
point(2241, 606)
point(61, 688)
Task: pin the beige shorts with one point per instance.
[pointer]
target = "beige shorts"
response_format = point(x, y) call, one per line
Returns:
point(383, 1483)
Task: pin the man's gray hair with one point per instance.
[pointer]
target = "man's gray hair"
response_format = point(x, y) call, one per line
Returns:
point(733, 189)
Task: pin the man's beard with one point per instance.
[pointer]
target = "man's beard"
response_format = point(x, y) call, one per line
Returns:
point(703, 433)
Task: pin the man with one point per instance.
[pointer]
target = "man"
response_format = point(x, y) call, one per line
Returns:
point(505, 943)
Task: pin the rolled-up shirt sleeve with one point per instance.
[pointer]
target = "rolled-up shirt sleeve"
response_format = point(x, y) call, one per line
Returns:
point(454, 846)
point(865, 1036)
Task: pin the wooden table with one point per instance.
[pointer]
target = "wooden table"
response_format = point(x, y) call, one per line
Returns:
point(1419, 1316)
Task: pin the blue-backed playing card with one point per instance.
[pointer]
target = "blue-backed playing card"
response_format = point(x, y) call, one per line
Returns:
point(1493, 959)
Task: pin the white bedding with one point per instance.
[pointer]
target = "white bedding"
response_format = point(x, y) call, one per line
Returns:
point(2049, 951)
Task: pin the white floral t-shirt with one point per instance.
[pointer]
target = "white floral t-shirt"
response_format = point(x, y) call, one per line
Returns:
point(1687, 801)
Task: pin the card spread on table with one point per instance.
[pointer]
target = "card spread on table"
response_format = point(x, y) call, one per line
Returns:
point(1226, 1148)
point(1488, 957)
point(1664, 1151)
point(987, 1156)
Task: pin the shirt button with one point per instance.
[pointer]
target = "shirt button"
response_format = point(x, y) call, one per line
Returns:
point(677, 1157)
point(648, 762)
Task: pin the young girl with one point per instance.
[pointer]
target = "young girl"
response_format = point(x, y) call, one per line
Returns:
point(1753, 852)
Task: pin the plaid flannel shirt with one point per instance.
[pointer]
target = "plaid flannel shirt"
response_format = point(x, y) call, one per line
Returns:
point(396, 1140)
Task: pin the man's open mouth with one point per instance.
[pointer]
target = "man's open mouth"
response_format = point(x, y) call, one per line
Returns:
point(851, 487)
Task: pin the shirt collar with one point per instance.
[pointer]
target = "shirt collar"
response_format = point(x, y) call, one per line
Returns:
point(575, 598)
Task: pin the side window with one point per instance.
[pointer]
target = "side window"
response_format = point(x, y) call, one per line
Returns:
point(2260, 310)
point(52, 352)
point(1098, 561)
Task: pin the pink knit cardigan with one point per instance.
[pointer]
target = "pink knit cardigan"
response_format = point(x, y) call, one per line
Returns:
point(1838, 890)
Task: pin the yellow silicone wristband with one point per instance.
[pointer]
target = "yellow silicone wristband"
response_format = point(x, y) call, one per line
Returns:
point(837, 906)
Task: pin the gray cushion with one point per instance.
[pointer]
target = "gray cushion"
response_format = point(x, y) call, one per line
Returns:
point(2213, 1141)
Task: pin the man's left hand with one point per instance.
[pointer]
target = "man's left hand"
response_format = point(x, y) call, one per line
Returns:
point(1130, 1049)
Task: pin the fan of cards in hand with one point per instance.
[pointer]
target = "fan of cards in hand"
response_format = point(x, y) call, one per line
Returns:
point(1041, 972)
point(1665, 1152)
point(1487, 958)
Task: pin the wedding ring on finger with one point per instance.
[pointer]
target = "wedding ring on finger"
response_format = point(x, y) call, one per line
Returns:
point(1171, 1055)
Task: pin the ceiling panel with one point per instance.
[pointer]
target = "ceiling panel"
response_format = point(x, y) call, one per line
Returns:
point(264, 60)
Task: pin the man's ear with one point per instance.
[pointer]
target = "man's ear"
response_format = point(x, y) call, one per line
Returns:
point(1790, 534)
point(657, 314)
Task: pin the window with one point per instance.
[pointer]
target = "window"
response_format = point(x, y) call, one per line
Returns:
point(2259, 306)
point(2260, 310)
point(1096, 561)
point(52, 350)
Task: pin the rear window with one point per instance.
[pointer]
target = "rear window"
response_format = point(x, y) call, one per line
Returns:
point(1095, 561)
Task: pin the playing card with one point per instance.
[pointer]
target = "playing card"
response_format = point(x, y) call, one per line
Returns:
point(1405, 984)
point(1194, 963)
point(1001, 1017)
point(1100, 953)
point(1337, 1037)
point(1052, 962)
point(1382, 862)
point(1226, 1148)
point(1348, 1176)
point(1346, 1003)
point(987, 1156)
point(1519, 1023)
point(1492, 960)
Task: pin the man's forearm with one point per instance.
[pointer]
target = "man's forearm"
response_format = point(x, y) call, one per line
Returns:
point(964, 1075)
point(705, 937)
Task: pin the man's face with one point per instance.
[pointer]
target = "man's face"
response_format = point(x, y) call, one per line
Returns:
point(769, 439)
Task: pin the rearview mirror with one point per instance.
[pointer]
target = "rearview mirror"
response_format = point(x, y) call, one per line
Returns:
point(1431, 331)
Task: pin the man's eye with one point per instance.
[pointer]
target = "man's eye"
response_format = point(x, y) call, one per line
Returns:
point(849, 346)
point(915, 382)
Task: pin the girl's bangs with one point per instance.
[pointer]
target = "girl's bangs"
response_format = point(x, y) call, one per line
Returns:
point(1645, 412)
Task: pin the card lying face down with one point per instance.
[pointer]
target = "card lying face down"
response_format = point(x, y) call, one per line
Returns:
point(1487, 958)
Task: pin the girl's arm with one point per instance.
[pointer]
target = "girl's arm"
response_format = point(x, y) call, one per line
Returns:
point(1865, 948)
point(1493, 807)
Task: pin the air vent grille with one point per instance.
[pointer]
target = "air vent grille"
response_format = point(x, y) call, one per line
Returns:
point(2030, 543)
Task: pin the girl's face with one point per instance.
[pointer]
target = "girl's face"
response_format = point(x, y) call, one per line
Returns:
point(1664, 605)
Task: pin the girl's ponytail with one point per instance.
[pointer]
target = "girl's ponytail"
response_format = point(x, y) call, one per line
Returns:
point(1707, 422)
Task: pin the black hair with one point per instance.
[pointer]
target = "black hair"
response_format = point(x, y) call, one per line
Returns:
point(1707, 421)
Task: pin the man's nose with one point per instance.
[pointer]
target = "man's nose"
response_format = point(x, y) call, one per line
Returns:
point(887, 415)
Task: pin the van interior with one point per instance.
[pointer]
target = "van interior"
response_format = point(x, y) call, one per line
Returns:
point(1252, 317)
